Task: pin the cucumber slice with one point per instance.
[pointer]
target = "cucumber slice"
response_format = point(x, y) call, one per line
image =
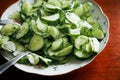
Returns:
point(3, 39)
point(38, 31)
point(36, 43)
point(19, 46)
point(95, 44)
point(54, 32)
point(9, 46)
point(26, 6)
point(51, 18)
point(99, 34)
point(64, 52)
point(57, 45)
point(79, 10)
point(52, 8)
point(82, 55)
point(85, 24)
point(47, 61)
point(66, 4)
point(55, 2)
point(33, 59)
point(80, 40)
point(25, 40)
point(42, 27)
point(35, 28)
point(88, 47)
point(62, 16)
point(73, 18)
point(9, 29)
point(74, 31)
point(38, 3)
point(24, 29)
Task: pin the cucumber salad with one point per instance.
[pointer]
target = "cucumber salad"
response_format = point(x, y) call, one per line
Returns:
point(53, 31)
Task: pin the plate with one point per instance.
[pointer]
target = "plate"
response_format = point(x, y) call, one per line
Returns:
point(71, 65)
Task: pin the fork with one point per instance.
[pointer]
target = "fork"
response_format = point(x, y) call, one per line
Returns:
point(3, 22)
point(11, 62)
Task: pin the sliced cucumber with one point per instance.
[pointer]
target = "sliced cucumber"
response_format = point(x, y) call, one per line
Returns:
point(51, 18)
point(99, 34)
point(64, 51)
point(73, 18)
point(9, 46)
point(3, 39)
point(52, 8)
point(24, 29)
point(80, 40)
point(62, 16)
point(82, 55)
point(79, 10)
point(47, 61)
point(25, 40)
point(74, 31)
point(9, 29)
point(65, 43)
point(85, 24)
point(36, 43)
point(66, 4)
point(57, 45)
point(95, 44)
point(19, 46)
point(54, 32)
point(42, 27)
point(87, 47)
point(26, 6)
point(55, 2)
point(35, 28)
point(38, 3)
point(33, 59)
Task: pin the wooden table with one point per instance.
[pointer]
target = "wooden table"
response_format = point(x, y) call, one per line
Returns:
point(106, 66)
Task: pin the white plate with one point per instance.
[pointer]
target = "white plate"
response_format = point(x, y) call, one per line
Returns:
point(73, 64)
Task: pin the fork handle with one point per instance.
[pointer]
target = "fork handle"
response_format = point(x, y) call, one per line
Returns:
point(3, 22)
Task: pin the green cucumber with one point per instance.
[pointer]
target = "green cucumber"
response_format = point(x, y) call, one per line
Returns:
point(99, 34)
point(52, 18)
point(79, 10)
point(24, 29)
point(57, 45)
point(42, 27)
point(33, 59)
point(66, 4)
point(8, 46)
point(19, 46)
point(81, 54)
point(9, 29)
point(80, 40)
point(73, 18)
point(64, 52)
point(54, 32)
point(51, 8)
point(55, 2)
point(26, 6)
point(74, 31)
point(36, 43)
point(95, 44)
point(38, 3)
point(35, 28)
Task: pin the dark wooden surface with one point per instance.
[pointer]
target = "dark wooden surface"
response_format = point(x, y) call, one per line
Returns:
point(106, 66)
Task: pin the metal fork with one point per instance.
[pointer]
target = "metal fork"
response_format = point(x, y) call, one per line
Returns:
point(11, 62)
point(3, 22)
